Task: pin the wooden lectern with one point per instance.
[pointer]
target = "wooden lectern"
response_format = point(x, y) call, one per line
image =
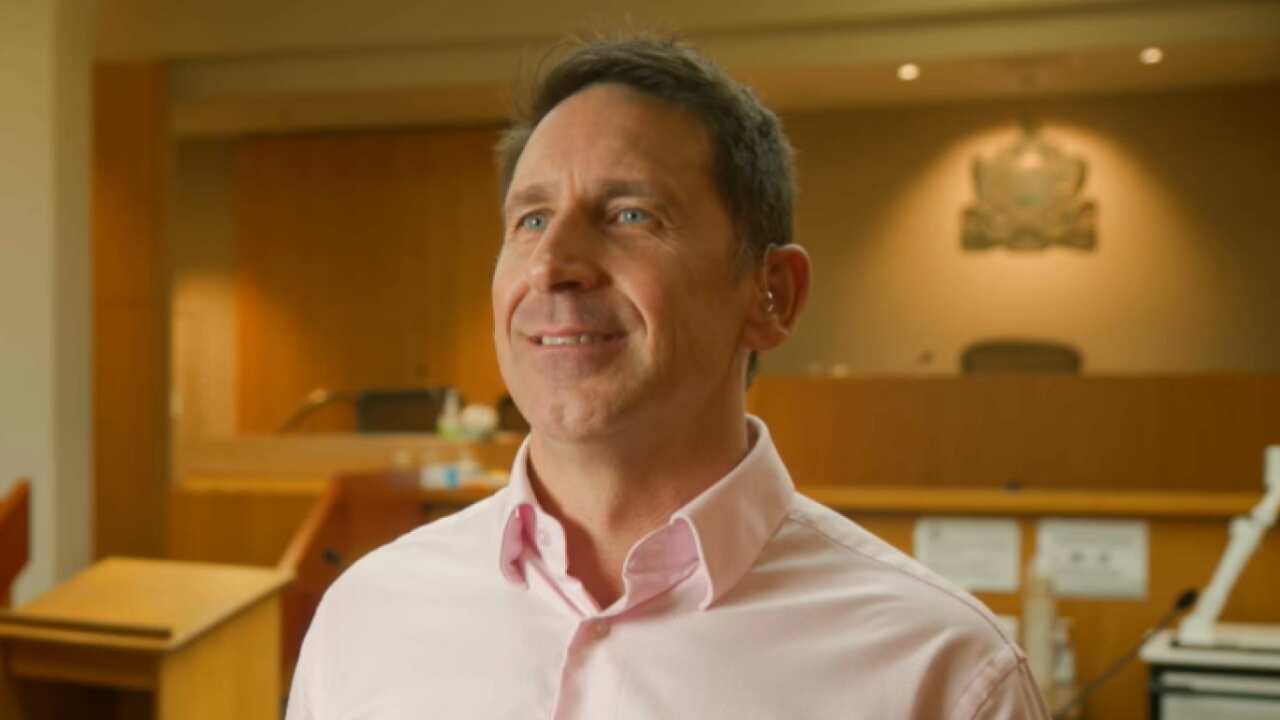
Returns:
point(189, 641)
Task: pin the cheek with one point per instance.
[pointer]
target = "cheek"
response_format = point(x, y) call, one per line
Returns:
point(716, 319)
point(690, 316)
point(502, 291)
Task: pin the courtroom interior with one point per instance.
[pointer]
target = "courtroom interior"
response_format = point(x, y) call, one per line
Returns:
point(246, 333)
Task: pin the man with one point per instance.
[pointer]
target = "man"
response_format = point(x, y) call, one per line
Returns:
point(650, 558)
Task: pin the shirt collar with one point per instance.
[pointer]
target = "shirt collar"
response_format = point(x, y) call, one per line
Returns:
point(520, 517)
point(731, 521)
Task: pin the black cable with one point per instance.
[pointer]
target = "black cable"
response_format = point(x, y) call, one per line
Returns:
point(1185, 600)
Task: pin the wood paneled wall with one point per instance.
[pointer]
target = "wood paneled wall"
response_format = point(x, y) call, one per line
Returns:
point(1186, 432)
point(364, 261)
point(130, 309)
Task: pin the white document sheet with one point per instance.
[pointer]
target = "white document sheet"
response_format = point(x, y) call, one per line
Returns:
point(1096, 558)
point(978, 554)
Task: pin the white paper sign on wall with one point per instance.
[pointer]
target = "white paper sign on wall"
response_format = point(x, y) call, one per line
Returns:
point(1096, 558)
point(978, 554)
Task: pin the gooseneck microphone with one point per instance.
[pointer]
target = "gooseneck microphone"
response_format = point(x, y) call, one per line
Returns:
point(1184, 601)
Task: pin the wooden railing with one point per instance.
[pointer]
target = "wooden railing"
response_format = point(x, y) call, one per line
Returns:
point(311, 531)
point(15, 536)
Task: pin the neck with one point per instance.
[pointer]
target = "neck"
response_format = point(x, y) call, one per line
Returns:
point(610, 494)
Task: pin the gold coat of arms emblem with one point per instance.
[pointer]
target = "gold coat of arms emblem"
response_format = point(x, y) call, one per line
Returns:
point(1028, 197)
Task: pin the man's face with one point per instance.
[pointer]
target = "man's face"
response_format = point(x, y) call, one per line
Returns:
point(616, 302)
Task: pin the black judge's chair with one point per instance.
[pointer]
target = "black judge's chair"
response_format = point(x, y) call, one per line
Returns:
point(1016, 355)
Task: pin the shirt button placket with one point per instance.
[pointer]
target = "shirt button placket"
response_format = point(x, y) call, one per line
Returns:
point(569, 695)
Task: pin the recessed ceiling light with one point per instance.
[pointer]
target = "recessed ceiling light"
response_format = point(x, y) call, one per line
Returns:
point(908, 71)
point(1151, 55)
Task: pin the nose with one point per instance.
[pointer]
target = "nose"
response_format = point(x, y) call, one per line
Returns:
point(565, 258)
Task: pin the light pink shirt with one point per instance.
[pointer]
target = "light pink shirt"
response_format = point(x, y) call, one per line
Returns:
point(751, 602)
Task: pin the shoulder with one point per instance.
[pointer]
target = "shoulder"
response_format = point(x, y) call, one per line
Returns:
point(448, 549)
point(388, 600)
point(921, 628)
point(848, 551)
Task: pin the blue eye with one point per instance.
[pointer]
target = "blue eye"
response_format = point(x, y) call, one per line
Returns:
point(533, 221)
point(630, 216)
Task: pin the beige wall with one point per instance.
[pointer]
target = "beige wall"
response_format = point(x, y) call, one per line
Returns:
point(44, 278)
point(1185, 277)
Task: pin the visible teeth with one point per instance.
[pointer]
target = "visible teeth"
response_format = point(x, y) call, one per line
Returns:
point(570, 339)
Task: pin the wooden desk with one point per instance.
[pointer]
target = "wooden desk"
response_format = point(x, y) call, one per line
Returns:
point(319, 456)
point(201, 640)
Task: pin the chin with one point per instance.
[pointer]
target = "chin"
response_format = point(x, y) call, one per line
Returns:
point(573, 421)
point(576, 416)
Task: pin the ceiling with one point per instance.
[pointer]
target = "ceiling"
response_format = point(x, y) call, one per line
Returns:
point(263, 65)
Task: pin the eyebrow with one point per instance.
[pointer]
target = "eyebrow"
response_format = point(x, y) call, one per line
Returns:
point(529, 195)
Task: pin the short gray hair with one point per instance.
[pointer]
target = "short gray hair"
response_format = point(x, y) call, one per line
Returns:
point(752, 157)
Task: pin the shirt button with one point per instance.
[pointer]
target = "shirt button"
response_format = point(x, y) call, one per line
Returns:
point(599, 629)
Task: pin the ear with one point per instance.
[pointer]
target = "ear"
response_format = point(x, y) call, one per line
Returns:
point(782, 287)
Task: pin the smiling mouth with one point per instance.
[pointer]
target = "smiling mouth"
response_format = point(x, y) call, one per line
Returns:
point(571, 340)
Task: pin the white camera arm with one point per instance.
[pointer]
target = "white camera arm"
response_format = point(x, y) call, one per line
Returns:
point(1199, 628)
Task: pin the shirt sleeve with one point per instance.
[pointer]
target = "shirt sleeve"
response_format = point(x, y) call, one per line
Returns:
point(1014, 697)
point(302, 704)
point(298, 708)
